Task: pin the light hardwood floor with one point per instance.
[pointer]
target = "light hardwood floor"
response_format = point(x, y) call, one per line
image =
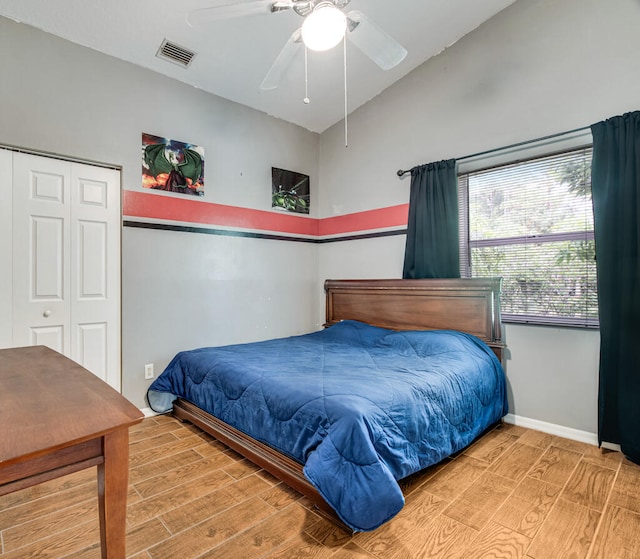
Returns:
point(515, 493)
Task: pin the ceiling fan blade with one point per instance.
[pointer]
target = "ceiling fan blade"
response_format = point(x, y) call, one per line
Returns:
point(373, 41)
point(203, 16)
point(282, 63)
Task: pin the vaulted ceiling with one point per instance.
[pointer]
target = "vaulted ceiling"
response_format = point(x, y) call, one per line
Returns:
point(233, 56)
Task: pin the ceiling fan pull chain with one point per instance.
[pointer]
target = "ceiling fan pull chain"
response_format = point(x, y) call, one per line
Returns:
point(346, 128)
point(306, 99)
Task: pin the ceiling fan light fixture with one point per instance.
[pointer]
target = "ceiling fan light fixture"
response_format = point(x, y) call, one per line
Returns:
point(324, 28)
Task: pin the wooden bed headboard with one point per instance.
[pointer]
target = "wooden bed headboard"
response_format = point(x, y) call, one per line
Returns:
point(469, 305)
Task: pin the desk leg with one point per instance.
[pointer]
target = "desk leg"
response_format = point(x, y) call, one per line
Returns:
point(113, 477)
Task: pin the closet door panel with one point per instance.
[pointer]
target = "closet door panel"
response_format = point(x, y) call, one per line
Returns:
point(46, 259)
point(41, 249)
point(91, 346)
point(92, 272)
point(95, 270)
point(51, 336)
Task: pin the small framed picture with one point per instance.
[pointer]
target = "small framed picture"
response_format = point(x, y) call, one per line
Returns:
point(172, 166)
point(289, 191)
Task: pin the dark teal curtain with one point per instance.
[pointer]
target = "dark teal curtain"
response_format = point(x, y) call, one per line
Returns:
point(432, 248)
point(615, 179)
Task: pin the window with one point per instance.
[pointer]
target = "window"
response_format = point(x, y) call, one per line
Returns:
point(531, 223)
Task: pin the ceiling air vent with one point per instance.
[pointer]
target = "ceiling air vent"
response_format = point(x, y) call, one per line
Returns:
point(175, 53)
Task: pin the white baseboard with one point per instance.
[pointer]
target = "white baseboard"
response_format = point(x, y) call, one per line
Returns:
point(558, 430)
point(148, 412)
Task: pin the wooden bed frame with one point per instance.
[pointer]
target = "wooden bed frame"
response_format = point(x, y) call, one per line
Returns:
point(467, 305)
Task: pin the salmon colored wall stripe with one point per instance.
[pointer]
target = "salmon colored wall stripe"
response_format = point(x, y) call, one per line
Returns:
point(155, 206)
point(141, 204)
point(393, 216)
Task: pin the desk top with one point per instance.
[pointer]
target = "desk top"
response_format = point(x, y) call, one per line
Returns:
point(48, 402)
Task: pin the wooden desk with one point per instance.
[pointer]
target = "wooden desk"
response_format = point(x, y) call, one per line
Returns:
point(57, 418)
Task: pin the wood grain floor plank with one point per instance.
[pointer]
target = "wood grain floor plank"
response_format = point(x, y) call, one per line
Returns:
point(29, 510)
point(418, 514)
point(351, 551)
point(270, 479)
point(490, 447)
point(496, 541)
point(478, 503)
point(537, 439)
point(145, 535)
point(157, 452)
point(444, 538)
point(303, 546)
point(459, 474)
point(567, 532)
point(626, 490)
point(306, 547)
point(516, 461)
point(264, 537)
point(248, 487)
point(199, 510)
point(175, 476)
point(415, 481)
point(620, 535)
point(59, 544)
point(163, 465)
point(241, 469)
point(419, 510)
point(555, 466)
point(326, 532)
point(197, 540)
point(280, 496)
point(202, 508)
point(165, 418)
point(188, 428)
point(528, 506)
point(48, 488)
point(591, 453)
point(512, 429)
point(207, 449)
point(149, 425)
point(145, 509)
point(91, 552)
point(42, 526)
point(149, 442)
point(590, 485)
point(144, 430)
point(133, 496)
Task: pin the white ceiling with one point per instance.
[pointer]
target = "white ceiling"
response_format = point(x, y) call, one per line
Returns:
point(233, 56)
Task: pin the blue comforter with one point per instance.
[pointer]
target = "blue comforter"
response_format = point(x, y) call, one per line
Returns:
point(361, 407)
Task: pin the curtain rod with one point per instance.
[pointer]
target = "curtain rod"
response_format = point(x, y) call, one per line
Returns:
point(400, 172)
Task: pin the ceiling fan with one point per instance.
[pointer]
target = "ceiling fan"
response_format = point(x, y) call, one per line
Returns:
point(324, 26)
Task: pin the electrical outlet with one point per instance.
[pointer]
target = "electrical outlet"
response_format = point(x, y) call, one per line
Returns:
point(148, 371)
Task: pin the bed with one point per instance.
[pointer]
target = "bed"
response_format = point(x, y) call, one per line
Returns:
point(405, 373)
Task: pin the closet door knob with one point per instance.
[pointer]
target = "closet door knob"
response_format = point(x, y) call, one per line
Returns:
point(46, 313)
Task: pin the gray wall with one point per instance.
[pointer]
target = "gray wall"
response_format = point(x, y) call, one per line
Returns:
point(179, 290)
point(539, 67)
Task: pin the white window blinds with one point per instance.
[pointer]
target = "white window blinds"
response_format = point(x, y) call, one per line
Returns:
point(531, 223)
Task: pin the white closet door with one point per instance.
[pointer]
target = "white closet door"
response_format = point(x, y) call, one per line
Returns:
point(66, 261)
point(95, 270)
point(41, 252)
